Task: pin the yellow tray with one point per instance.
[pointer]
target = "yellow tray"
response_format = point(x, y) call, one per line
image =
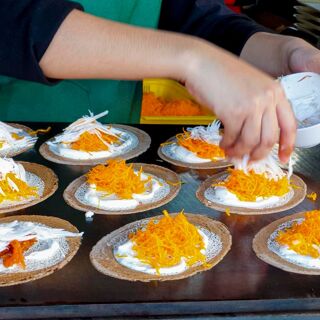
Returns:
point(170, 90)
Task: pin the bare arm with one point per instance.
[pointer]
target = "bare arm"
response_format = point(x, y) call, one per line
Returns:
point(245, 99)
point(280, 55)
point(89, 47)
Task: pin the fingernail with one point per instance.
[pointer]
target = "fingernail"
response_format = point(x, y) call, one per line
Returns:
point(283, 148)
point(285, 154)
point(284, 159)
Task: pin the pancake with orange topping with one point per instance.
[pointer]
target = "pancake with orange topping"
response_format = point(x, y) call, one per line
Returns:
point(32, 247)
point(165, 247)
point(16, 185)
point(88, 140)
point(121, 187)
point(292, 243)
point(196, 147)
point(256, 186)
point(15, 139)
point(23, 184)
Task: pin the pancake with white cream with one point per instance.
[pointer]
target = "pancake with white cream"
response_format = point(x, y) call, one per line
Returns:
point(27, 246)
point(196, 145)
point(14, 140)
point(117, 186)
point(87, 139)
point(257, 185)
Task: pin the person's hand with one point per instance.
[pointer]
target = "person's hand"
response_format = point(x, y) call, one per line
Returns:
point(301, 56)
point(251, 105)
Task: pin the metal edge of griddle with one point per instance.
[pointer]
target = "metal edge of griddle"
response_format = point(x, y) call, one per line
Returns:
point(162, 309)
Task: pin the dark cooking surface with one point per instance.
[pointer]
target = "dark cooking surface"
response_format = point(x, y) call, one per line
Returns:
point(240, 283)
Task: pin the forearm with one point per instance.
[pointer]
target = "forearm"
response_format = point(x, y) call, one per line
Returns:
point(89, 47)
point(269, 52)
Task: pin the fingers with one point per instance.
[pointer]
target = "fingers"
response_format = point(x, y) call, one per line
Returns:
point(269, 135)
point(287, 124)
point(232, 131)
point(249, 137)
point(260, 129)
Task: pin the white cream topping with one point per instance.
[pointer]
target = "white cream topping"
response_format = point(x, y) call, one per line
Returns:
point(222, 196)
point(155, 188)
point(180, 153)
point(289, 255)
point(126, 256)
point(89, 214)
point(60, 145)
point(50, 248)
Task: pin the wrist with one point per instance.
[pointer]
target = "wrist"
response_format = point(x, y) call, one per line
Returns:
point(290, 50)
point(188, 58)
point(198, 56)
point(270, 52)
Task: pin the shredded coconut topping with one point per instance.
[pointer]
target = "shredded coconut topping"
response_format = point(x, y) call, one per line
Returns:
point(268, 166)
point(28, 246)
point(85, 124)
point(8, 165)
point(11, 137)
point(210, 134)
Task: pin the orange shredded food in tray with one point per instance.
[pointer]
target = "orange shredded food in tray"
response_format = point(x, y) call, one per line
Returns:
point(248, 187)
point(14, 253)
point(312, 196)
point(10, 193)
point(157, 106)
point(91, 142)
point(304, 237)
point(118, 178)
point(165, 242)
point(201, 148)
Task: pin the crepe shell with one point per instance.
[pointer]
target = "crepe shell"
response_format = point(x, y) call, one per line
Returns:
point(103, 259)
point(10, 279)
point(73, 194)
point(37, 175)
point(299, 193)
point(143, 144)
point(261, 249)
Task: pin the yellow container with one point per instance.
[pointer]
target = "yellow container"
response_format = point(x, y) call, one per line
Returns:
point(171, 90)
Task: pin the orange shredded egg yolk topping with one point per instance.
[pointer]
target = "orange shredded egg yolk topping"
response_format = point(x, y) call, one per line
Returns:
point(91, 142)
point(201, 148)
point(13, 254)
point(250, 186)
point(312, 196)
point(10, 193)
point(304, 237)
point(35, 132)
point(118, 178)
point(163, 243)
